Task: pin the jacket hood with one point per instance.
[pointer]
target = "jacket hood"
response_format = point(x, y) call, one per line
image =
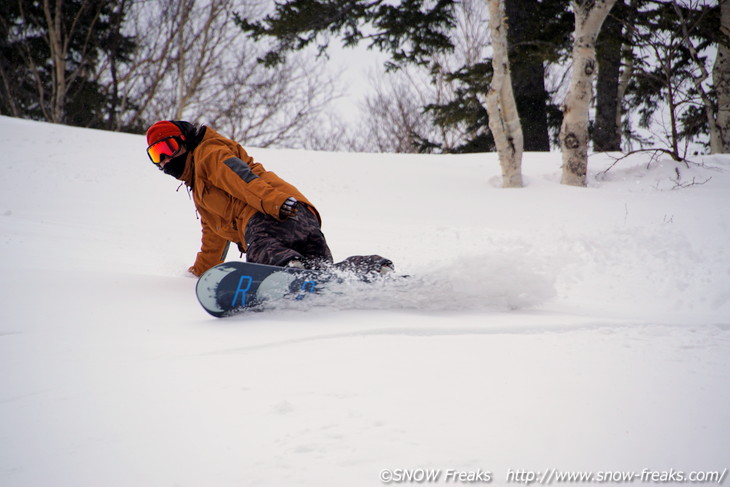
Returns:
point(181, 167)
point(192, 134)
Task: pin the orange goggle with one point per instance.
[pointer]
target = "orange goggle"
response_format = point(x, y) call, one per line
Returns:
point(167, 147)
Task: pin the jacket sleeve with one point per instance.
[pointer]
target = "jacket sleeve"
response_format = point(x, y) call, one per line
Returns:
point(243, 180)
point(211, 251)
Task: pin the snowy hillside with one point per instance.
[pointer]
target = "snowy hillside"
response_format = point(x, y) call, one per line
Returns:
point(548, 329)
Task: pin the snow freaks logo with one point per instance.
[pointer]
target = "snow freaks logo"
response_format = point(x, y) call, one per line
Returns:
point(423, 476)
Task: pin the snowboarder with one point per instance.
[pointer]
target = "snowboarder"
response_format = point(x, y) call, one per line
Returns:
point(239, 201)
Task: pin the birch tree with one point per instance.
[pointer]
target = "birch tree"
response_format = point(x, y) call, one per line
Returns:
point(589, 16)
point(504, 121)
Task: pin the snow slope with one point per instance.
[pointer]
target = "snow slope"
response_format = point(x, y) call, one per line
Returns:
point(549, 327)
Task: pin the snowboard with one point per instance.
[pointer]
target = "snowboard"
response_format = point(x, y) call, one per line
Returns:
point(234, 287)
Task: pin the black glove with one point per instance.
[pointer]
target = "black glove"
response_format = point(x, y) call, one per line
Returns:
point(289, 208)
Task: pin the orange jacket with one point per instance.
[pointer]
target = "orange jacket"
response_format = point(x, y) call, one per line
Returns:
point(228, 188)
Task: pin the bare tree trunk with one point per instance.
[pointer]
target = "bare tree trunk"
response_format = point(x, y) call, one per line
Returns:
point(116, 23)
point(589, 16)
point(64, 74)
point(721, 80)
point(58, 59)
point(626, 71)
point(504, 121)
point(623, 85)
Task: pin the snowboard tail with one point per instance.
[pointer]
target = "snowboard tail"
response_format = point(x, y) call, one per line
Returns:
point(233, 287)
point(237, 286)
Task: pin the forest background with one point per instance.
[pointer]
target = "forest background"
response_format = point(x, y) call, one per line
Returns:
point(658, 72)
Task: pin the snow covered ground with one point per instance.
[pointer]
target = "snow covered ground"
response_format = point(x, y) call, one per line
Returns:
point(547, 329)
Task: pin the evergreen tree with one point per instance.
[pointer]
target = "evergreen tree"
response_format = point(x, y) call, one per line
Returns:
point(410, 31)
point(609, 50)
point(464, 109)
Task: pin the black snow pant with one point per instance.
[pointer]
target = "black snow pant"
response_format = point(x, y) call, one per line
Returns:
point(273, 242)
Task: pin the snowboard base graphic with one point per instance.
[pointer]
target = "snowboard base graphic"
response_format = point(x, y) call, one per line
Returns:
point(232, 287)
